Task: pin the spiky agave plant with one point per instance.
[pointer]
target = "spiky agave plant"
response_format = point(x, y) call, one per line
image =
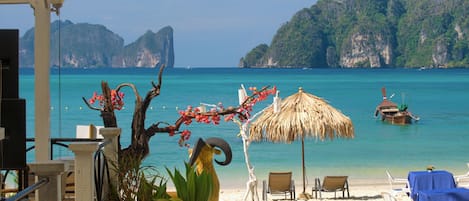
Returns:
point(194, 187)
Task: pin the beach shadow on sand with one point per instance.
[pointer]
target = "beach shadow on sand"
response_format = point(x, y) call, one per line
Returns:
point(375, 197)
point(363, 197)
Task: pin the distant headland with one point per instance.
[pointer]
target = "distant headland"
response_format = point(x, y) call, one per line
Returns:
point(95, 46)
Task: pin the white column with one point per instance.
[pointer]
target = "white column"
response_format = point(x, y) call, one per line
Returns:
point(111, 153)
point(84, 166)
point(41, 79)
point(52, 170)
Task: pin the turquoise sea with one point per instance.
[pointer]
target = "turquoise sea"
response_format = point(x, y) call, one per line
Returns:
point(439, 97)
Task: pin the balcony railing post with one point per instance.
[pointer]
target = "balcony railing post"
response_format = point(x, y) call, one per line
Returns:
point(111, 154)
point(84, 175)
point(52, 170)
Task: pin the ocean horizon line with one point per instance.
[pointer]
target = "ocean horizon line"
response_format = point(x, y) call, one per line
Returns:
point(139, 70)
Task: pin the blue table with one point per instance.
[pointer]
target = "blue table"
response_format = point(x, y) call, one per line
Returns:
point(453, 194)
point(425, 180)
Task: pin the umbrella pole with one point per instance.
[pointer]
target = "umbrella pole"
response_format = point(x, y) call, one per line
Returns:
point(304, 195)
point(303, 163)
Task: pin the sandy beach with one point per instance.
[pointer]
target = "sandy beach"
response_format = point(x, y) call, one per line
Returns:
point(360, 189)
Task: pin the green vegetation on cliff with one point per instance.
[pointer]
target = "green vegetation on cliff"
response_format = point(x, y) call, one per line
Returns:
point(370, 33)
point(254, 56)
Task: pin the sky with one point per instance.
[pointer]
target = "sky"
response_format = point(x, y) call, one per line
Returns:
point(207, 33)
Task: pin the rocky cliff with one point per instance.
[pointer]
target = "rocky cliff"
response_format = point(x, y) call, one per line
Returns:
point(370, 33)
point(150, 50)
point(88, 45)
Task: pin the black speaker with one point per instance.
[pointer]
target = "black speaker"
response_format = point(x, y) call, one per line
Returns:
point(9, 51)
point(13, 109)
point(13, 147)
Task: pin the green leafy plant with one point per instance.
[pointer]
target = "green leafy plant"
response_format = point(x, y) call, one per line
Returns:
point(150, 190)
point(138, 182)
point(194, 187)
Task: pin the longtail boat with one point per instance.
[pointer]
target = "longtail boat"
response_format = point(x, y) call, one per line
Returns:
point(392, 113)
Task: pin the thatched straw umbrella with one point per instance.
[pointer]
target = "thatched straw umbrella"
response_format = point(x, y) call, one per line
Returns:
point(301, 115)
